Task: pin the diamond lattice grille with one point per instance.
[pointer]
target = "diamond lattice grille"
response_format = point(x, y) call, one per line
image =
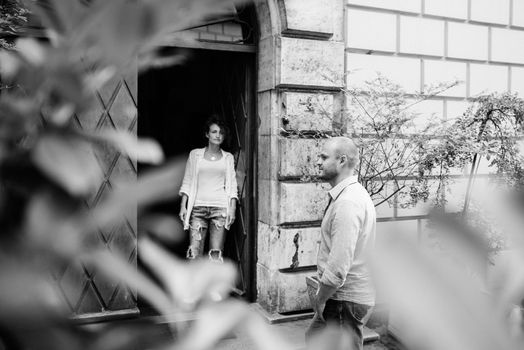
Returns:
point(84, 290)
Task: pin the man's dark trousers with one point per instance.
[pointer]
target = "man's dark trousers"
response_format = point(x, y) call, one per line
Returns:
point(347, 316)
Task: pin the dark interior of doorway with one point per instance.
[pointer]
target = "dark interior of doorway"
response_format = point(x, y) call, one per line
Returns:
point(174, 103)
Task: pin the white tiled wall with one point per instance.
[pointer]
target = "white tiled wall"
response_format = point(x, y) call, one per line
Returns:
point(400, 5)
point(447, 8)
point(401, 70)
point(421, 36)
point(455, 194)
point(517, 80)
point(426, 113)
point(490, 11)
point(437, 71)
point(518, 13)
point(487, 78)
point(467, 41)
point(477, 46)
point(363, 31)
point(454, 109)
point(507, 45)
point(420, 43)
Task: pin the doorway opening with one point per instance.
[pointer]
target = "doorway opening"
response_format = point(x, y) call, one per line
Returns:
point(174, 104)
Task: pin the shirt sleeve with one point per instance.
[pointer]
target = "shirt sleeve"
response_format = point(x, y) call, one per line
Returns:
point(345, 228)
point(188, 175)
point(233, 175)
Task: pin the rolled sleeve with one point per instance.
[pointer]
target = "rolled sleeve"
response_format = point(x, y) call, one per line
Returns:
point(233, 175)
point(345, 228)
point(188, 175)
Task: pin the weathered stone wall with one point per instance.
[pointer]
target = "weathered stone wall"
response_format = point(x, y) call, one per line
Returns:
point(301, 71)
point(306, 50)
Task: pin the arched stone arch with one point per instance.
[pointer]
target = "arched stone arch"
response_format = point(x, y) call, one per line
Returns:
point(300, 65)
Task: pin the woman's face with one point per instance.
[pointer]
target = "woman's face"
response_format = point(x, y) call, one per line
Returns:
point(215, 135)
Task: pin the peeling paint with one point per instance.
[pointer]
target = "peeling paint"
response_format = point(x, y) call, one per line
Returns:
point(294, 260)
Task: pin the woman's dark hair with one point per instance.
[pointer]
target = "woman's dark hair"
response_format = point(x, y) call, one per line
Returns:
point(215, 119)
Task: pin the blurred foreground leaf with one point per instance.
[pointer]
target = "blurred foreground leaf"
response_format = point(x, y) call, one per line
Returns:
point(436, 306)
point(166, 228)
point(141, 149)
point(68, 161)
point(189, 285)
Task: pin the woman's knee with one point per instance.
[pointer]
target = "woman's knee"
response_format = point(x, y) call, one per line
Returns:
point(192, 253)
point(215, 255)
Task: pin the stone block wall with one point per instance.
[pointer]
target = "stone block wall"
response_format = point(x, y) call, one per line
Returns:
point(301, 73)
point(313, 48)
point(421, 42)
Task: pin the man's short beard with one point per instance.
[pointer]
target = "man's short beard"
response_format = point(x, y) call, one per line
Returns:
point(328, 176)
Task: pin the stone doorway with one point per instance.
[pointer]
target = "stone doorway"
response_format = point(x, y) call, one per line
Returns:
point(174, 103)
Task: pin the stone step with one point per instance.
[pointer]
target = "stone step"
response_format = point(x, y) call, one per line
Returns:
point(369, 334)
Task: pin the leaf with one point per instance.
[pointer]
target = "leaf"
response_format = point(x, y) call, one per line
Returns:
point(96, 80)
point(52, 224)
point(61, 115)
point(188, 283)
point(26, 296)
point(332, 338)
point(69, 162)
point(9, 65)
point(58, 16)
point(152, 187)
point(154, 60)
point(142, 149)
point(214, 322)
point(68, 14)
point(138, 334)
point(438, 306)
point(164, 227)
point(263, 336)
point(119, 269)
point(31, 50)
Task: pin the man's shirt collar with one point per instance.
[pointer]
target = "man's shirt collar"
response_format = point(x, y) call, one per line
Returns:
point(335, 191)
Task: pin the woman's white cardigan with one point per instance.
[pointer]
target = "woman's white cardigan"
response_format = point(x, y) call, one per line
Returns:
point(189, 184)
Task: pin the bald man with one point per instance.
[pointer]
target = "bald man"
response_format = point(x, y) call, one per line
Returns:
point(346, 295)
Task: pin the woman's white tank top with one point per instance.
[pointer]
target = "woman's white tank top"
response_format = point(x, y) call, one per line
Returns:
point(211, 186)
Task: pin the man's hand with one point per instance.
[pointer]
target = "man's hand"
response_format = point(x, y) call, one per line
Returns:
point(318, 307)
point(324, 292)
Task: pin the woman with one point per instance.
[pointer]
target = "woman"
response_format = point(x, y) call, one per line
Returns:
point(209, 193)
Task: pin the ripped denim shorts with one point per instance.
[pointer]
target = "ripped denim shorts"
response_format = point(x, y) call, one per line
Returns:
point(202, 221)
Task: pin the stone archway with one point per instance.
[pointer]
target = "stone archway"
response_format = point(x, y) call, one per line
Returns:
point(300, 75)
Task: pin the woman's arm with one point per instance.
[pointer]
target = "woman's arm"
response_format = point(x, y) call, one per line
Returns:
point(188, 176)
point(231, 213)
point(233, 195)
point(183, 207)
point(233, 174)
